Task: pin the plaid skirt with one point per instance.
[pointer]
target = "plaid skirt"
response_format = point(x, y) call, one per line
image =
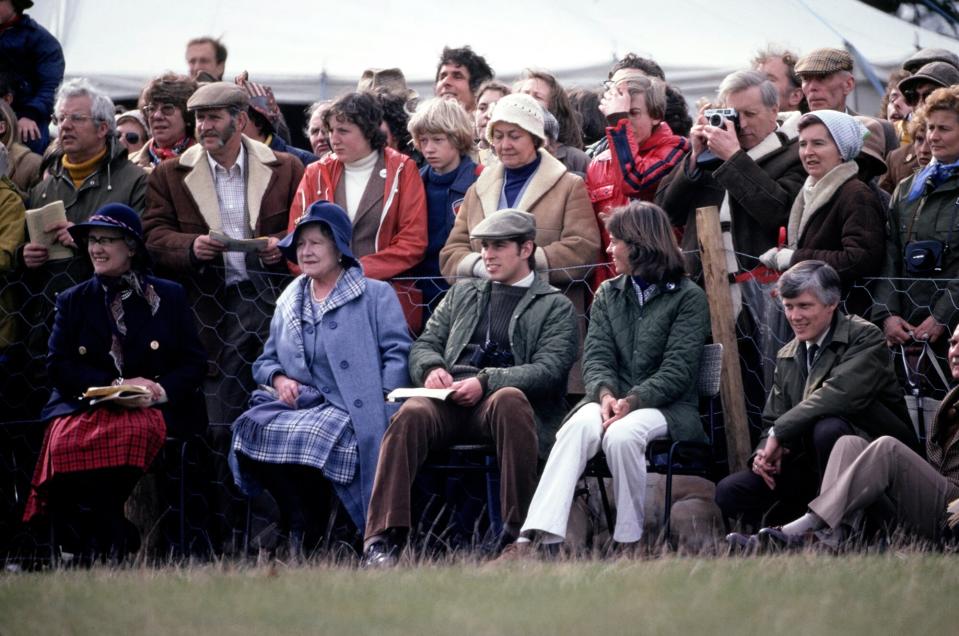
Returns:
point(105, 437)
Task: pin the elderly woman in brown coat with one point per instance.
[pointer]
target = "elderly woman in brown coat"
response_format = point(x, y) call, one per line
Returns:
point(836, 218)
point(530, 179)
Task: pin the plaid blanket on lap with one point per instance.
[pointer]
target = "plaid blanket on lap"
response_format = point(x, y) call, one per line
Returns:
point(313, 433)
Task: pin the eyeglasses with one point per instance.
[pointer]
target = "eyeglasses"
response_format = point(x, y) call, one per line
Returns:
point(103, 240)
point(129, 137)
point(73, 119)
point(167, 110)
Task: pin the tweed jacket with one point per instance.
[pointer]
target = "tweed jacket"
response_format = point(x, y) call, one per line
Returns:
point(566, 231)
point(942, 444)
point(649, 354)
point(852, 378)
point(165, 348)
point(366, 344)
point(760, 192)
point(542, 334)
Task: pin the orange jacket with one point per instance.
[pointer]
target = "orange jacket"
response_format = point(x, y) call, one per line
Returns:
point(402, 237)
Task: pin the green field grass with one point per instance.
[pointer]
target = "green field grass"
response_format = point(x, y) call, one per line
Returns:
point(894, 593)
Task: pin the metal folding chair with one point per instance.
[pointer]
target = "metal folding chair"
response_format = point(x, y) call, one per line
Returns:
point(669, 457)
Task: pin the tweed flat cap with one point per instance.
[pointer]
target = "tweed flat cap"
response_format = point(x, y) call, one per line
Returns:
point(218, 95)
point(923, 56)
point(505, 224)
point(941, 73)
point(824, 62)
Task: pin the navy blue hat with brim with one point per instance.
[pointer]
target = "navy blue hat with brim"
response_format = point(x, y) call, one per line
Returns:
point(331, 215)
point(116, 216)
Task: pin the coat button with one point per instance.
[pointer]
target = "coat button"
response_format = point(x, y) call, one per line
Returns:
point(82, 350)
point(358, 403)
point(344, 364)
point(308, 329)
point(325, 389)
point(332, 324)
point(154, 345)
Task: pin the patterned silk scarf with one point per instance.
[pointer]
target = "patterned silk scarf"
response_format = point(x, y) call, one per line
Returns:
point(115, 291)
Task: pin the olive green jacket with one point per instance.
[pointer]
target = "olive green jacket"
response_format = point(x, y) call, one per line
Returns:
point(927, 218)
point(650, 354)
point(543, 336)
point(852, 378)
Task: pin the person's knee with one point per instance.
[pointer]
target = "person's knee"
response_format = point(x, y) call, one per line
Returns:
point(887, 445)
point(510, 400)
point(827, 431)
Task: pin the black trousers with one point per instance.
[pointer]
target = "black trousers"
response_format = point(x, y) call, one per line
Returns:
point(746, 501)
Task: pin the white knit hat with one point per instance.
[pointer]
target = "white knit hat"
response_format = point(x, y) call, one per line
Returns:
point(521, 110)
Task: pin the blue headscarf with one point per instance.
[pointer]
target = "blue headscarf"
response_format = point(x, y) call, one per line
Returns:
point(930, 178)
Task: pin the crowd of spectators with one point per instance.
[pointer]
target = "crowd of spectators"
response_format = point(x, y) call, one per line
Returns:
point(506, 245)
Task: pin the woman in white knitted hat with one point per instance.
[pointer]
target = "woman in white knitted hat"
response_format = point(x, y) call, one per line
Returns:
point(836, 218)
point(530, 179)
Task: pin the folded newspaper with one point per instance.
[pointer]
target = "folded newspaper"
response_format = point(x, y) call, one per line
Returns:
point(122, 393)
point(40, 219)
point(240, 245)
point(404, 394)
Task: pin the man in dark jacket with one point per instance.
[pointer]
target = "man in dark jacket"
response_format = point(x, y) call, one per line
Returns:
point(834, 378)
point(504, 347)
point(751, 172)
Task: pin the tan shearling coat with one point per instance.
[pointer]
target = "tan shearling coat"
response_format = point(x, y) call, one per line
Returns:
point(566, 232)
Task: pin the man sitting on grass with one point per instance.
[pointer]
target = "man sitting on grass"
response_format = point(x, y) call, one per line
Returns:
point(834, 378)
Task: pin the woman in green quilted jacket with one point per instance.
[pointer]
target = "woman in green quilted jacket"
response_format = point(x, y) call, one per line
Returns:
point(640, 366)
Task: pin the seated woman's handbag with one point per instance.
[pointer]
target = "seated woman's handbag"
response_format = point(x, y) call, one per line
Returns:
point(924, 258)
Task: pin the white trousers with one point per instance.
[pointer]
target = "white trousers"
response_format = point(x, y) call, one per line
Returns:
point(580, 438)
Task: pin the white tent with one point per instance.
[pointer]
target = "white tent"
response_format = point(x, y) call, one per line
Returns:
point(308, 50)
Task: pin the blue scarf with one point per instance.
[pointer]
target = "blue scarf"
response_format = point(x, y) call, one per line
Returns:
point(930, 178)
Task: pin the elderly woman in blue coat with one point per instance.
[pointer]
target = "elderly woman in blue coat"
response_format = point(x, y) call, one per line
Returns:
point(338, 344)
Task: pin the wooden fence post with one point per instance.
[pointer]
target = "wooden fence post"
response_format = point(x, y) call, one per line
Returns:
point(716, 280)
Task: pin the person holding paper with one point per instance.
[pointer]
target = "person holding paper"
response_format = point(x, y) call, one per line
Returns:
point(121, 327)
point(338, 344)
point(505, 346)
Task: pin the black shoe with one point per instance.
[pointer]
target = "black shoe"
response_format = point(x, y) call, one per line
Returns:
point(774, 539)
point(740, 543)
point(381, 554)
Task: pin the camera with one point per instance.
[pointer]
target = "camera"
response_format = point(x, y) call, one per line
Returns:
point(924, 257)
point(719, 116)
point(488, 355)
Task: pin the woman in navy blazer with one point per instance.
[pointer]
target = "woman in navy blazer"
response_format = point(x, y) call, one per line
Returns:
point(121, 327)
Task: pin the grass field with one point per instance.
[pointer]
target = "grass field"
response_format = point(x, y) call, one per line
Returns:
point(900, 593)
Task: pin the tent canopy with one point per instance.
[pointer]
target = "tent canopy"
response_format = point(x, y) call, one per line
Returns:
point(306, 51)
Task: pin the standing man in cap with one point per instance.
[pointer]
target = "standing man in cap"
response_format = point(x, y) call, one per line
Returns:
point(230, 184)
point(827, 81)
point(504, 346)
point(234, 185)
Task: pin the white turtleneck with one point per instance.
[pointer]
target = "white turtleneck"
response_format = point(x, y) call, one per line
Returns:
point(357, 174)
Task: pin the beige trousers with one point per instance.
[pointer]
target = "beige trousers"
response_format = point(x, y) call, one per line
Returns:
point(884, 473)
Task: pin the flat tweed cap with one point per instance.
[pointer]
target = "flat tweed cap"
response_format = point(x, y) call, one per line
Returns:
point(505, 224)
point(824, 62)
point(219, 95)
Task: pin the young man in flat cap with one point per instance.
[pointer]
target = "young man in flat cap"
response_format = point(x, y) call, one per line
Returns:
point(504, 346)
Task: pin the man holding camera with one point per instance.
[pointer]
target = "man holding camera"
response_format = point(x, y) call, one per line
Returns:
point(745, 166)
point(504, 347)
